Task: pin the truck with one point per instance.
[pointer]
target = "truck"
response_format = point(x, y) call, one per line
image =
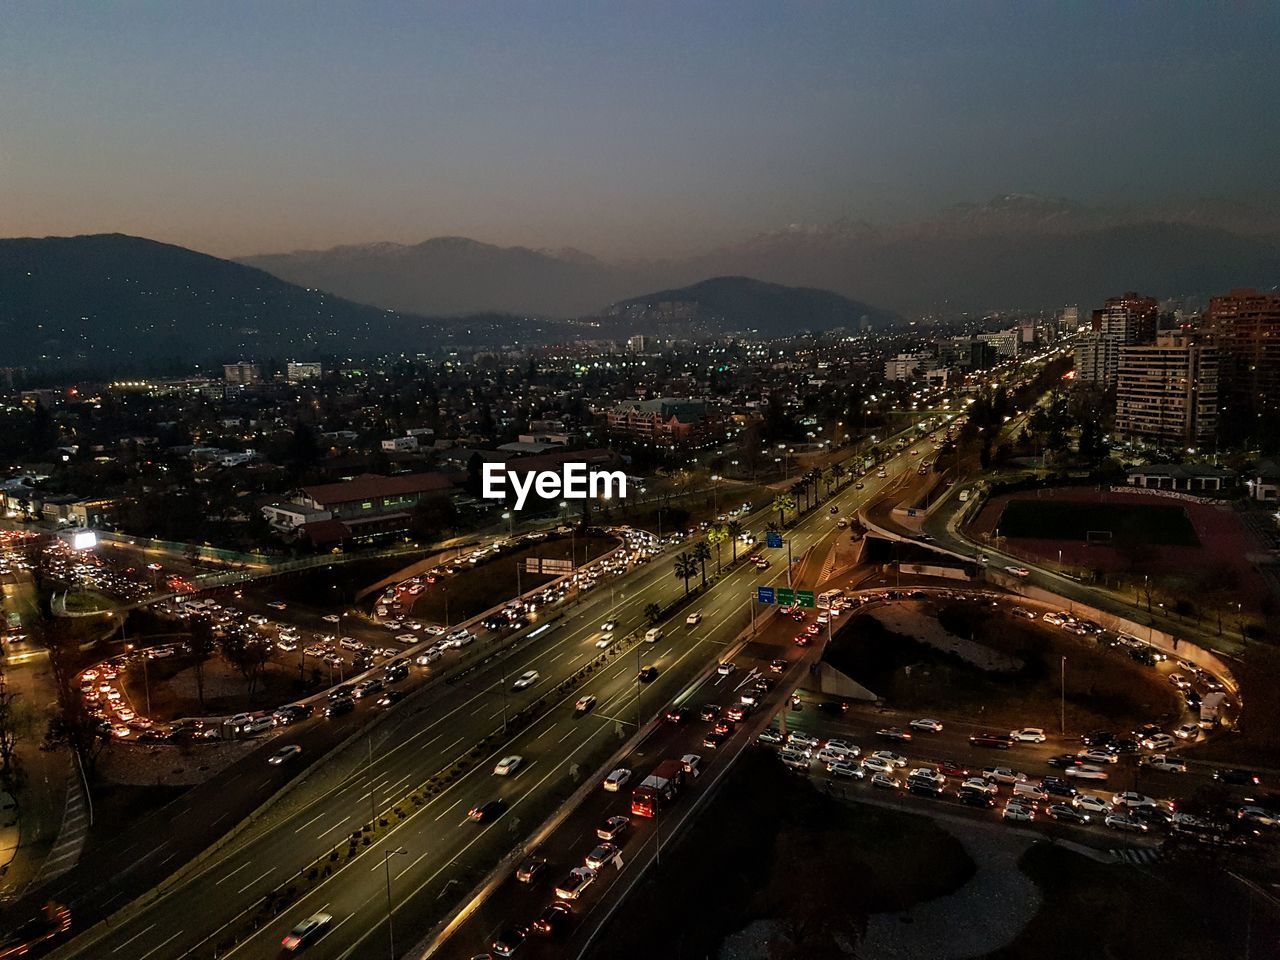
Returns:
point(1211, 708)
point(658, 789)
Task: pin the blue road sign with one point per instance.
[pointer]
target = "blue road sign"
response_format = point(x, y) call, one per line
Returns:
point(772, 539)
point(764, 594)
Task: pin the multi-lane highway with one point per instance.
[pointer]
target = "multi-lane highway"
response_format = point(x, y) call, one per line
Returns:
point(444, 854)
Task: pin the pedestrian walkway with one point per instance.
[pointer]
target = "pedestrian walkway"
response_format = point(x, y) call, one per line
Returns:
point(1137, 856)
point(71, 836)
point(9, 832)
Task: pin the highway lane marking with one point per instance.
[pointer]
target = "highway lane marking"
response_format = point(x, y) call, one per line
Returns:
point(162, 946)
point(133, 938)
point(550, 727)
point(258, 880)
point(432, 740)
point(443, 812)
point(567, 735)
point(299, 830)
point(341, 823)
point(452, 745)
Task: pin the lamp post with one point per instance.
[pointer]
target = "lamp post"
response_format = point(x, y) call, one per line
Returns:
point(511, 523)
point(386, 864)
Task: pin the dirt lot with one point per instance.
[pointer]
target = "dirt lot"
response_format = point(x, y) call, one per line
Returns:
point(476, 590)
point(799, 868)
point(1099, 910)
point(1104, 688)
point(173, 688)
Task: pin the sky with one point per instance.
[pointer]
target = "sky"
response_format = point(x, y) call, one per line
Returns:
point(623, 129)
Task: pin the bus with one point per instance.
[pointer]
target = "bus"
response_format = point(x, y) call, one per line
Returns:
point(658, 789)
point(831, 596)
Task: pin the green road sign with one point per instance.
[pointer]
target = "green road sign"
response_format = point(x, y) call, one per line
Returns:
point(786, 597)
point(805, 598)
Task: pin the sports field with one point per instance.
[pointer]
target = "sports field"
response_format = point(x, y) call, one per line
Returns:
point(1155, 524)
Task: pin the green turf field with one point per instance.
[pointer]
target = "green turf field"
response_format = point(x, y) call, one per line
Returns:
point(1161, 525)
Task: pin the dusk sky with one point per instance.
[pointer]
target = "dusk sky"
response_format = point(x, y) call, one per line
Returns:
point(623, 129)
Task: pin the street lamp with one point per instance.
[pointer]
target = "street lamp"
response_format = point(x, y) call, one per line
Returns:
point(511, 522)
point(386, 863)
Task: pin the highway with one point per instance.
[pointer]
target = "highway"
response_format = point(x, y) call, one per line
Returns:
point(444, 854)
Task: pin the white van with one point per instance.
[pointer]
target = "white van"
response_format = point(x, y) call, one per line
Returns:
point(1030, 790)
point(653, 636)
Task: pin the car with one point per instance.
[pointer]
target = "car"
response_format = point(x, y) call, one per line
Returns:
point(331, 618)
point(1098, 738)
point(997, 741)
point(843, 746)
point(846, 768)
point(950, 768)
point(584, 705)
point(770, 736)
point(428, 657)
point(893, 733)
point(885, 780)
point(878, 765)
point(613, 828)
point(1099, 756)
point(1022, 572)
point(1086, 771)
point(709, 711)
point(1028, 735)
point(531, 869)
point(571, 887)
point(975, 798)
point(1259, 816)
point(801, 741)
point(653, 635)
point(693, 619)
point(647, 674)
point(508, 941)
point(507, 765)
point(284, 754)
point(715, 739)
point(1018, 812)
point(1120, 821)
point(1237, 778)
point(692, 764)
point(553, 920)
point(1130, 798)
point(1159, 742)
point(725, 668)
point(617, 779)
point(525, 680)
point(338, 707)
point(926, 725)
point(1164, 763)
point(897, 759)
point(1004, 775)
point(1090, 803)
point(981, 785)
point(609, 625)
point(1156, 816)
point(602, 854)
point(778, 665)
point(1066, 760)
point(487, 811)
point(679, 715)
point(1065, 813)
point(307, 932)
point(390, 698)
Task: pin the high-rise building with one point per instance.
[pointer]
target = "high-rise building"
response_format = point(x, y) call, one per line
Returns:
point(299, 370)
point(1130, 318)
point(1005, 341)
point(1245, 326)
point(1097, 359)
point(1167, 391)
point(242, 373)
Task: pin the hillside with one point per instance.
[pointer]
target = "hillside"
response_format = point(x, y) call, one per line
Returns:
point(725, 304)
point(115, 301)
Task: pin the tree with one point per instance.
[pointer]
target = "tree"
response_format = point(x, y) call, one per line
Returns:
point(734, 531)
point(716, 536)
point(248, 655)
point(652, 612)
point(17, 720)
point(202, 646)
point(73, 726)
point(685, 567)
point(783, 502)
point(814, 477)
point(702, 553)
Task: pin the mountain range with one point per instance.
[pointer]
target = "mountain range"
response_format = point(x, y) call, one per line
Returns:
point(1013, 252)
point(121, 302)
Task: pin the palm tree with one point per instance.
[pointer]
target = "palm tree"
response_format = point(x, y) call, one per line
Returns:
point(801, 486)
point(716, 536)
point(652, 612)
point(734, 531)
point(838, 471)
point(702, 553)
point(772, 527)
point(686, 567)
point(782, 503)
point(814, 477)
